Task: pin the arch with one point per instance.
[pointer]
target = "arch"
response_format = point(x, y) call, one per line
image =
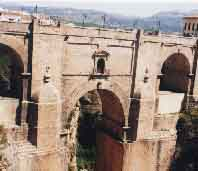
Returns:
point(83, 88)
point(11, 66)
point(108, 125)
point(113, 109)
point(17, 46)
point(112, 106)
point(101, 66)
point(175, 72)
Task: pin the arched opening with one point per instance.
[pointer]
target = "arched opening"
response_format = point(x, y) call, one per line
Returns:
point(99, 118)
point(175, 72)
point(11, 67)
point(101, 66)
point(174, 82)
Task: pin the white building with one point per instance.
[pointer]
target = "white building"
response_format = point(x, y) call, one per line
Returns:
point(14, 16)
point(190, 25)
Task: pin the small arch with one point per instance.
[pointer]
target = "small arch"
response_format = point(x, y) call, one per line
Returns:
point(83, 88)
point(175, 70)
point(173, 84)
point(11, 66)
point(101, 66)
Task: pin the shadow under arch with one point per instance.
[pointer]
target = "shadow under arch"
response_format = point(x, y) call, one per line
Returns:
point(11, 66)
point(175, 70)
point(111, 108)
point(107, 121)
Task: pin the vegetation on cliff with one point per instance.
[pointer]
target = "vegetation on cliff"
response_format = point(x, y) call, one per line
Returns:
point(186, 153)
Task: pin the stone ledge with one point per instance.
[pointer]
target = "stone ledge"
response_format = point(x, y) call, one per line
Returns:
point(171, 133)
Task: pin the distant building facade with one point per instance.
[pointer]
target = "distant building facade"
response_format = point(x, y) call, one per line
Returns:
point(190, 25)
point(14, 16)
point(24, 17)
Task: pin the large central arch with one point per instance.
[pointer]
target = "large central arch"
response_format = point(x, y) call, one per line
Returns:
point(109, 129)
point(81, 89)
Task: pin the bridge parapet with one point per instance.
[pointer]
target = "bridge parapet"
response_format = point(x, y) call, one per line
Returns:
point(14, 27)
point(91, 32)
point(100, 33)
point(170, 40)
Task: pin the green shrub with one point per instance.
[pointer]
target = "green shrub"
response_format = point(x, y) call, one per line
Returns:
point(3, 136)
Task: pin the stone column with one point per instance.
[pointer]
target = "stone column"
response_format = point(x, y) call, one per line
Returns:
point(48, 109)
point(159, 77)
point(25, 78)
point(194, 71)
point(126, 129)
point(72, 141)
point(21, 118)
point(144, 105)
point(189, 93)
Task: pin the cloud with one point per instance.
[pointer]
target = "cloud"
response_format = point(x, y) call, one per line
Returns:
point(106, 1)
point(124, 7)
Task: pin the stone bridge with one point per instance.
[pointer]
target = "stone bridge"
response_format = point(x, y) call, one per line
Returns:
point(143, 82)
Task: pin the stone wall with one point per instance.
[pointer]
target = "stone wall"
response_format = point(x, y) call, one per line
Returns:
point(148, 155)
point(134, 63)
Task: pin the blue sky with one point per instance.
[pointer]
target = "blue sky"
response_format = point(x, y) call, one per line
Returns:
point(125, 7)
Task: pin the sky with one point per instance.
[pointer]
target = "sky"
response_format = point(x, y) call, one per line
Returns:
point(140, 8)
point(161, 1)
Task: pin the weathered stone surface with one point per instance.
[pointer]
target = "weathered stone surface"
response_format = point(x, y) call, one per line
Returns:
point(44, 138)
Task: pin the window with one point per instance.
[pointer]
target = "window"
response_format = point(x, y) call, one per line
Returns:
point(185, 27)
point(101, 66)
point(189, 26)
point(193, 27)
point(101, 63)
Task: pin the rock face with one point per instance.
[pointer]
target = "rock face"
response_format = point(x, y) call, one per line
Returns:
point(185, 156)
point(59, 65)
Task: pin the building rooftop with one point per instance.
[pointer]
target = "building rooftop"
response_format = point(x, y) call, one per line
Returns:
point(191, 17)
